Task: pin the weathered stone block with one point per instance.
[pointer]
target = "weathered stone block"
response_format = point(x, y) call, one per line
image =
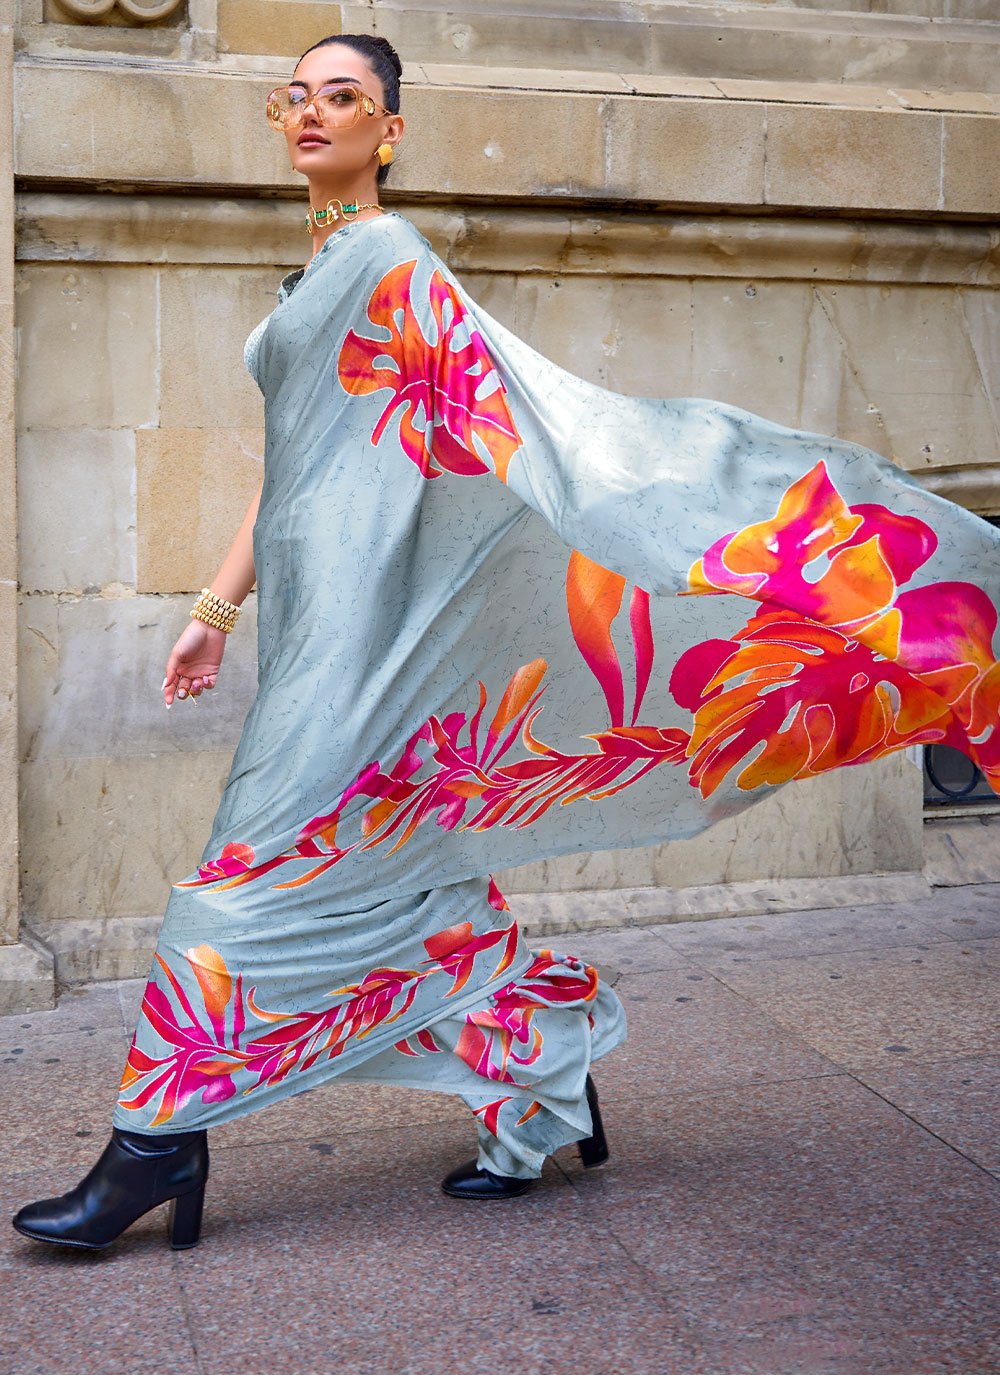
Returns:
point(8, 766)
point(193, 488)
point(90, 674)
point(27, 976)
point(105, 838)
point(632, 335)
point(205, 318)
point(865, 159)
point(76, 509)
point(969, 181)
point(896, 368)
point(117, 793)
point(87, 356)
point(704, 151)
point(282, 28)
point(474, 141)
point(855, 822)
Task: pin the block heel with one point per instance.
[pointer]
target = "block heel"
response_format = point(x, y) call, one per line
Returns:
point(184, 1218)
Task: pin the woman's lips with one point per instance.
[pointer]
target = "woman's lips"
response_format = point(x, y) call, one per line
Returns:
point(313, 141)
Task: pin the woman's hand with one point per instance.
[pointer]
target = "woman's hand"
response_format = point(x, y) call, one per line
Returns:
point(194, 661)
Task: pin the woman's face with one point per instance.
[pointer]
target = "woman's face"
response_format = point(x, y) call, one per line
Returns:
point(338, 154)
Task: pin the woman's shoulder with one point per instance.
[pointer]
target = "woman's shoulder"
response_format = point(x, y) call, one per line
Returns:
point(402, 230)
point(353, 253)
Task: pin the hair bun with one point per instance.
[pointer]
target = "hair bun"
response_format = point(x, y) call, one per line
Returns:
point(389, 51)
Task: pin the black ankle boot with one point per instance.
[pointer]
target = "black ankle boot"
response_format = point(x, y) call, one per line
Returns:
point(470, 1181)
point(136, 1172)
point(594, 1148)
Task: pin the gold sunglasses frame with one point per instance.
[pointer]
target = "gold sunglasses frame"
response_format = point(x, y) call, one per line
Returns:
point(363, 102)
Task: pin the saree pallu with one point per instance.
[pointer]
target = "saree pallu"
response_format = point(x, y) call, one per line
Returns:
point(506, 614)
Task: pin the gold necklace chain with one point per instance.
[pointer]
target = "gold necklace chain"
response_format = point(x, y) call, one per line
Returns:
point(336, 210)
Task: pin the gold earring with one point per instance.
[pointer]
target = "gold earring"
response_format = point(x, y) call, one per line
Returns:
point(384, 153)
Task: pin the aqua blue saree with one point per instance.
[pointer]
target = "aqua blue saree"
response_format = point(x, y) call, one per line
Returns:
point(506, 614)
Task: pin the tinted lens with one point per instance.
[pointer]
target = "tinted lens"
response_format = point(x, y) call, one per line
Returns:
point(338, 104)
point(335, 105)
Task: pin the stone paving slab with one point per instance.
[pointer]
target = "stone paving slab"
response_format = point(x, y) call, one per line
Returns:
point(787, 1194)
point(721, 945)
point(399, 1257)
point(690, 1034)
point(65, 1311)
point(803, 1215)
point(57, 1097)
point(973, 911)
point(924, 1002)
point(82, 1008)
point(956, 1099)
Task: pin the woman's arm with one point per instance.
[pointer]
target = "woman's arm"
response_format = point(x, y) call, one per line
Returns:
point(196, 658)
point(237, 575)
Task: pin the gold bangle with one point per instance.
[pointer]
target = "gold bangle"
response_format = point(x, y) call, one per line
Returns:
point(215, 610)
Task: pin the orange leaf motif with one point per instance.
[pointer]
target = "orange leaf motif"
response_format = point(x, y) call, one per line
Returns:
point(452, 400)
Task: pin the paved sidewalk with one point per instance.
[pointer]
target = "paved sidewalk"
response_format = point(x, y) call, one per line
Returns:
point(804, 1180)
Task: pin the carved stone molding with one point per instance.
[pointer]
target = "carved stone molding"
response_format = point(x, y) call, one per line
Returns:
point(93, 227)
point(131, 11)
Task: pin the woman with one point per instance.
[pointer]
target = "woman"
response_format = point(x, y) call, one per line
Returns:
point(443, 541)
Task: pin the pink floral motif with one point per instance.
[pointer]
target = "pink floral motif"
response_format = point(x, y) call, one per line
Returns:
point(495, 1036)
point(469, 776)
point(204, 1056)
point(842, 667)
point(489, 1113)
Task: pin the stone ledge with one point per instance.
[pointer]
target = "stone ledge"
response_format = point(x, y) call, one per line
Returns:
point(85, 951)
point(122, 947)
point(467, 143)
point(106, 228)
point(962, 850)
point(735, 41)
point(556, 914)
point(668, 86)
point(27, 976)
point(977, 487)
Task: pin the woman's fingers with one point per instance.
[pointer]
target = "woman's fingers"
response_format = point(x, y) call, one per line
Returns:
point(169, 685)
point(178, 684)
point(193, 687)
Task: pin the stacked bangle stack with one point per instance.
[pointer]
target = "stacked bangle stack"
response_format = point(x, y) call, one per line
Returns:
point(215, 610)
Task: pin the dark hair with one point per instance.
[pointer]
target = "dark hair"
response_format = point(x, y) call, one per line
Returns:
point(384, 61)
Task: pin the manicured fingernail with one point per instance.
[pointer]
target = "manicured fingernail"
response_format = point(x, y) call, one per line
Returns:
point(182, 692)
point(163, 684)
point(168, 705)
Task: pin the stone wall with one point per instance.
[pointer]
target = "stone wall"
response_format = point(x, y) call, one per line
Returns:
point(800, 219)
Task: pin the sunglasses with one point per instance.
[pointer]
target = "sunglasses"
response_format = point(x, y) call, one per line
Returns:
point(337, 106)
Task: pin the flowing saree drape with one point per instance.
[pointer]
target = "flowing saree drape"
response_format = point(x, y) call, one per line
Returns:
point(506, 614)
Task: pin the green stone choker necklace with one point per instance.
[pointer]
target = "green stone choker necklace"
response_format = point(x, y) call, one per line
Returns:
point(319, 219)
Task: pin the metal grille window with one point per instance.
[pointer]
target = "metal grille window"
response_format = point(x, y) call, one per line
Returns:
point(951, 779)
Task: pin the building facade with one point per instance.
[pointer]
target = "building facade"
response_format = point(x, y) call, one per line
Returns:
point(795, 209)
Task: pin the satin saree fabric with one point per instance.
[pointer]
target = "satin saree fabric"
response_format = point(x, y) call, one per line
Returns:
point(506, 614)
